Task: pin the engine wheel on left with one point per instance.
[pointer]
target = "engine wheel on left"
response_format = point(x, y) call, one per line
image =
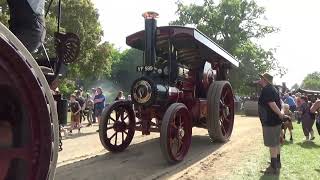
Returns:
point(117, 126)
point(28, 115)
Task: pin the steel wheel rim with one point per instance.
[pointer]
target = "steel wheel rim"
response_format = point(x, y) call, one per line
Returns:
point(34, 153)
point(177, 144)
point(226, 111)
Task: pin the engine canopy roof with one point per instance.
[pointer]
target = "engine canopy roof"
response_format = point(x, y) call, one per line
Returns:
point(193, 47)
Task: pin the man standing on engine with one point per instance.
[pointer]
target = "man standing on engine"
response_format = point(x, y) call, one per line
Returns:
point(27, 22)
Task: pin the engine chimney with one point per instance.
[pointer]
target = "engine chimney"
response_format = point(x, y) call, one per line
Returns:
point(150, 37)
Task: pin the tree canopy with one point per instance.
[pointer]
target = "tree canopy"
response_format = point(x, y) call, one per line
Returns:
point(312, 81)
point(124, 72)
point(79, 17)
point(236, 25)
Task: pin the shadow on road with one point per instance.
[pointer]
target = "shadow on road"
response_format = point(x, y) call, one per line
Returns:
point(75, 134)
point(308, 144)
point(142, 160)
point(269, 177)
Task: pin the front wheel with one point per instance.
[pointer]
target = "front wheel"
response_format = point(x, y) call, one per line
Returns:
point(117, 126)
point(176, 132)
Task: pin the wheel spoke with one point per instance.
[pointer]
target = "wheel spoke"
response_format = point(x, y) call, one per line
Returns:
point(225, 119)
point(115, 141)
point(110, 127)
point(222, 128)
point(221, 104)
point(117, 116)
point(111, 119)
point(122, 137)
point(174, 125)
point(125, 132)
point(225, 95)
point(178, 146)
point(113, 135)
point(125, 117)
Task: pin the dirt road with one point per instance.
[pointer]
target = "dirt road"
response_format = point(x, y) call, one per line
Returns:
point(84, 158)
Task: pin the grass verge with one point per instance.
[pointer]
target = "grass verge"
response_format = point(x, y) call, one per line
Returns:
point(300, 160)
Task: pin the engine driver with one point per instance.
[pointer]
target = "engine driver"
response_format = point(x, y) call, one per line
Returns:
point(27, 22)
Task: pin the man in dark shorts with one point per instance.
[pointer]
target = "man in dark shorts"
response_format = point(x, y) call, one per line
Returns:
point(270, 115)
point(27, 22)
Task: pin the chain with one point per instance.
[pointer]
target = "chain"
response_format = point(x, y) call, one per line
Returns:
point(60, 138)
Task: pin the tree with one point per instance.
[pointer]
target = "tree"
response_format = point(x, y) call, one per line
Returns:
point(4, 12)
point(312, 81)
point(124, 72)
point(79, 17)
point(235, 25)
point(95, 59)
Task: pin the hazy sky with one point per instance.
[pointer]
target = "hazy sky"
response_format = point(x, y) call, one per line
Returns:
point(296, 43)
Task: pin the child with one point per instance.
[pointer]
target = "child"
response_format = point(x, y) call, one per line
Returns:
point(75, 113)
point(288, 123)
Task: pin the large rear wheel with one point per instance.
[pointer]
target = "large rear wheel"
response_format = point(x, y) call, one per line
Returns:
point(220, 117)
point(28, 116)
point(176, 132)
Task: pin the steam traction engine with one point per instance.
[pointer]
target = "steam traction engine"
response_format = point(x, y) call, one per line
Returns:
point(29, 128)
point(184, 84)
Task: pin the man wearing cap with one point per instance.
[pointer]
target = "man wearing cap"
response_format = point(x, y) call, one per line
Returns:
point(270, 115)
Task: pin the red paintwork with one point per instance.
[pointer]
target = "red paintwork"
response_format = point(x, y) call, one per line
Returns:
point(227, 121)
point(17, 78)
point(179, 98)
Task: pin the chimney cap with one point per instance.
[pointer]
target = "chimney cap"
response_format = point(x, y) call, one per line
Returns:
point(150, 15)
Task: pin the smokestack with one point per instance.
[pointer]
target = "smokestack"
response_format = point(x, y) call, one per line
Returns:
point(150, 37)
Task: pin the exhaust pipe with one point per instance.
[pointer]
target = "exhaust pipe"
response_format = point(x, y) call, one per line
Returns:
point(150, 38)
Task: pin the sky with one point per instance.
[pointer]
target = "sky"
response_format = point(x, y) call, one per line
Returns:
point(297, 42)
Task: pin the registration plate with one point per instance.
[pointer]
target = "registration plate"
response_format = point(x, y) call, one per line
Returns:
point(145, 68)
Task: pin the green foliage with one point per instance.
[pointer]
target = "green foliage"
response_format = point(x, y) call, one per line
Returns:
point(312, 81)
point(4, 12)
point(67, 87)
point(235, 25)
point(299, 160)
point(124, 72)
point(80, 17)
